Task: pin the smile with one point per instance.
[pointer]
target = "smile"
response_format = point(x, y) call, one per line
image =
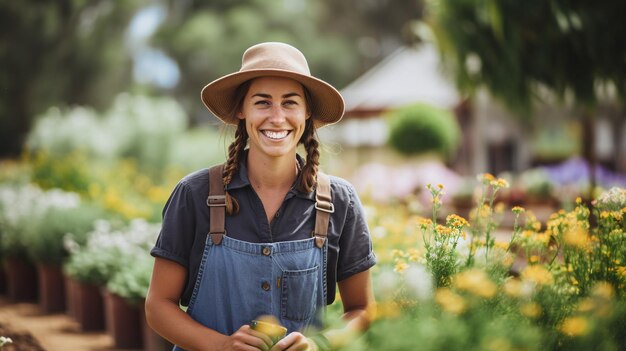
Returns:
point(275, 135)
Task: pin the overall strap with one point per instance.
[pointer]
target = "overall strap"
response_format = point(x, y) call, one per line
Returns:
point(324, 207)
point(217, 204)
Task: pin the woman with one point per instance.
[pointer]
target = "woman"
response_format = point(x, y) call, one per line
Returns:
point(282, 234)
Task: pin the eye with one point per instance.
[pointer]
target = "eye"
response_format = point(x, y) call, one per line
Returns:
point(262, 103)
point(290, 102)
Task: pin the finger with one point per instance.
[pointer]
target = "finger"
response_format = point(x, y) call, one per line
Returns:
point(266, 340)
point(292, 342)
point(255, 338)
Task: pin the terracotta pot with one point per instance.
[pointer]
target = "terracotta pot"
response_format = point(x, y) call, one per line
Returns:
point(51, 288)
point(21, 278)
point(70, 295)
point(123, 322)
point(88, 306)
point(3, 281)
point(151, 340)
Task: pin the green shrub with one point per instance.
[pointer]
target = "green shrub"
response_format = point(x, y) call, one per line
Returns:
point(132, 281)
point(21, 209)
point(422, 128)
point(45, 239)
point(110, 249)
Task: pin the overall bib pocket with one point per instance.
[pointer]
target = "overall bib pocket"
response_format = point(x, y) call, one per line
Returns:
point(298, 293)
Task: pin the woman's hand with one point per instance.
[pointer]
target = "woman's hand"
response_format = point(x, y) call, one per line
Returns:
point(246, 339)
point(295, 342)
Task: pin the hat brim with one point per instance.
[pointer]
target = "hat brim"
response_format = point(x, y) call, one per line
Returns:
point(327, 105)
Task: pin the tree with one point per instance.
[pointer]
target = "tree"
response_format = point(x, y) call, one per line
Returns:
point(519, 49)
point(58, 52)
point(207, 39)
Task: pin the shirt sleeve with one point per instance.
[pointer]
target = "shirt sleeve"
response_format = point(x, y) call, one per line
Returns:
point(175, 240)
point(355, 245)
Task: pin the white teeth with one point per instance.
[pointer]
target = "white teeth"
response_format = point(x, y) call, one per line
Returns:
point(275, 135)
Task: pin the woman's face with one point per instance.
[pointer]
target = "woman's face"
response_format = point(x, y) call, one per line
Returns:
point(275, 112)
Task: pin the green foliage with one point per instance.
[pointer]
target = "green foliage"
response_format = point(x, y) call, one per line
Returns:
point(517, 49)
point(21, 209)
point(111, 249)
point(69, 172)
point(135, 126)
point(132, 282)
point(46, 238)
point(208, 39)
point(423, 128)
point(59, 52)
point(568, 294)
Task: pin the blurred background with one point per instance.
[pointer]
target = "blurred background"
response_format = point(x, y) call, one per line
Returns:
point(100, 112)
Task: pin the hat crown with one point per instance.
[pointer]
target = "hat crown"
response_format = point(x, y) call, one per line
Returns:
point(278, 56)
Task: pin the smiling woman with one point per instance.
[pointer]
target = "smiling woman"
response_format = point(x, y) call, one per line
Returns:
point(281, 235)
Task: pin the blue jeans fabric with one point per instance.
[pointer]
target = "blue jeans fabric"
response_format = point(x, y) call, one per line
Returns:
point(240, 281)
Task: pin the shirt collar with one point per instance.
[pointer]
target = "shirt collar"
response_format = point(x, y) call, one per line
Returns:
point(241, 180)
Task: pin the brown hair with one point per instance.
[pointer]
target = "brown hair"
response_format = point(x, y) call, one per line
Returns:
point(236, 149)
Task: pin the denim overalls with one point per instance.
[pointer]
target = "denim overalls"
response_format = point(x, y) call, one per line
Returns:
point(240, 281)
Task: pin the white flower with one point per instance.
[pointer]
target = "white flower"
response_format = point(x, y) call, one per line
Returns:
point(5, 340)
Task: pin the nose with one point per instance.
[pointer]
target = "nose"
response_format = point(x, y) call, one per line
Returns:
point(277, 114)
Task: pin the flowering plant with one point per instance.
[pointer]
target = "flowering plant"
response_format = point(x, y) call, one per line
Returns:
point(555, 286)
point(4, 341)
point(21, 207)
point(109, 249)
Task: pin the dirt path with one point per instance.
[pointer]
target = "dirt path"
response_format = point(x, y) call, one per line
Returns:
point(54, 332)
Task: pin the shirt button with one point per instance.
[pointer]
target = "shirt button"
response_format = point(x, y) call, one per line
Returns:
point(266, 251)
point(265, 286)
point(277, 214)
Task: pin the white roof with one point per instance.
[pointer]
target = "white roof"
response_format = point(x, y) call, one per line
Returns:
point(409, 75)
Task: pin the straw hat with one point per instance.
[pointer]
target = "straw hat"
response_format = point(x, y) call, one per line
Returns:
point(278, 60)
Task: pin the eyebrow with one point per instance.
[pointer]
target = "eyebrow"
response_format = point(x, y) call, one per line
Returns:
point(268, 96)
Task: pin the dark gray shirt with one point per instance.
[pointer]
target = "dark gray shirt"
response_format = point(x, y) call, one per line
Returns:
point(186, 224)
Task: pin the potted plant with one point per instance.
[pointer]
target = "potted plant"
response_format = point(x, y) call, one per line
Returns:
point(45, 247)
point(18, 206)
point(126, 293)
point(89, 267)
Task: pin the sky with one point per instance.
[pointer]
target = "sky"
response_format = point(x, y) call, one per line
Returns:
point(150, 66)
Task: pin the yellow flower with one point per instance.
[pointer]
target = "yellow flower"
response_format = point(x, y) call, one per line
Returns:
point(586, 305)
point(518, 209)
point(449, 301)
point(513, 288)
point(414, 255)
point(443, 230)
point(574, 326)
point(456, 221)
point(425, 222)
point(499, 183)
point(440, 186)
point(499, 208)
point(531, 310)
point(476, 282)
point(576, 238)
point(387, 309)
point(537, 274)
point(604, 214)
point(488, 177)
point(395, 253)
point(603, 290)
point(533, 259)
point(501, 245)
point(400, 267)
point(497, 344)
point(579, 200)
